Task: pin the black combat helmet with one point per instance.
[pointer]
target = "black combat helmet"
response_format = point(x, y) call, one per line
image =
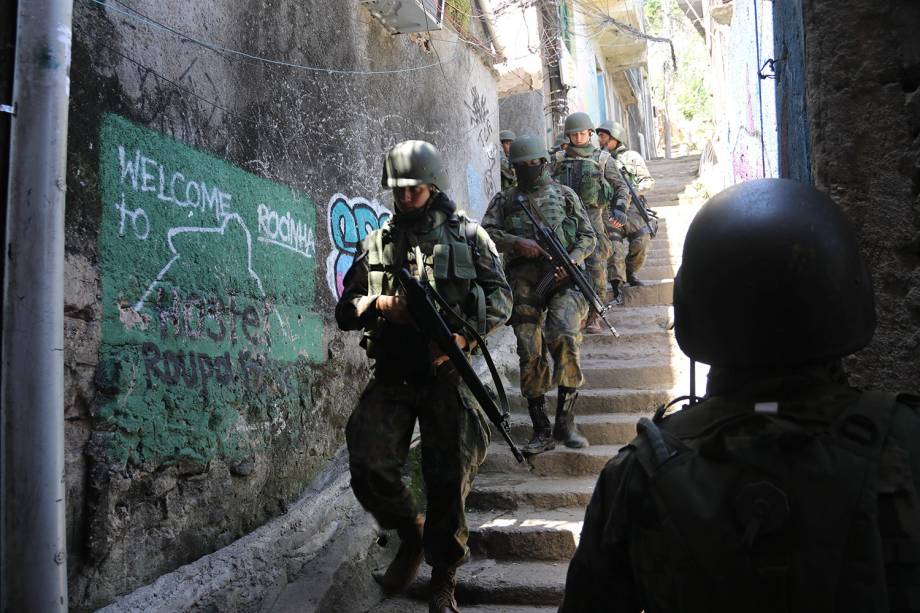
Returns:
point(772, 277)
point(414, 162)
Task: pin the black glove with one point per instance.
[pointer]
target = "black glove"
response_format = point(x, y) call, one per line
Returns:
point(619, 216)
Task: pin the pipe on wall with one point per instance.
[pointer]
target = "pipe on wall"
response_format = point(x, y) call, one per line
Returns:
point(32, 526)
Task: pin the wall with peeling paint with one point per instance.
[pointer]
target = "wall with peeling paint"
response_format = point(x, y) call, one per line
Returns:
point(214, 203)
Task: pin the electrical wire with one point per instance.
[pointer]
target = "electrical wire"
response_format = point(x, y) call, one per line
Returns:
point(138, 16)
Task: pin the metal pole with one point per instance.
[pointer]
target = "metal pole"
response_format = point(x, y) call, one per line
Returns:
point(33, 544)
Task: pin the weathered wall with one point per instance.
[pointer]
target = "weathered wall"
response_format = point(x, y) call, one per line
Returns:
point(523, 113)
point(214, 202)
point(793, 130)
point(863, 87)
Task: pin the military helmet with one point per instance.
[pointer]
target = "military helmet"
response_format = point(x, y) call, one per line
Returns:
point(414, 162)
point(772, 276)
point(506, 135)
point(614, 129)
point(527, 148)
point(576, 122)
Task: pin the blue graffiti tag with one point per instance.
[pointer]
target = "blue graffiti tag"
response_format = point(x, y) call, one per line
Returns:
point(350, 221)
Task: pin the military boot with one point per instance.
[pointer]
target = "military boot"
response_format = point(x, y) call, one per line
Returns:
point(593, 325)
point(616, 292)
point(633, 280)
point(565, 430)
point(404, 567)
point(443, 582)
point(542, 439)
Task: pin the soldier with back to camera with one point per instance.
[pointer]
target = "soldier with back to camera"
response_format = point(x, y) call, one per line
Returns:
point(784, 489)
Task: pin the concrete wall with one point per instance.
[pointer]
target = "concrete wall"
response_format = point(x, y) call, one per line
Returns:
point(523, 114)
point(793, 129)
point(214, 203)
point(863, 88)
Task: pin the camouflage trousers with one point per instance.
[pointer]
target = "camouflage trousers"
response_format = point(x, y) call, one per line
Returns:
point(596, 263)
point(627, 259)
point(544, 330)
point(455, 436)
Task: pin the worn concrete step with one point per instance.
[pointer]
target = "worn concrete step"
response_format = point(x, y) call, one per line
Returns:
point(558, 462)
point(637, 320)
point(658, 271)
point(525, 534)
point(599, 401)
point(509, 492)
point(502, 583)
point(659, 345)
point(641, 372)
point(599, 429)
point(653, 292)
point(406, 605)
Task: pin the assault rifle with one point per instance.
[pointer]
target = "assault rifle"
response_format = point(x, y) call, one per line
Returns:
point(421, 299)
point(560, 257)
point(637, 200)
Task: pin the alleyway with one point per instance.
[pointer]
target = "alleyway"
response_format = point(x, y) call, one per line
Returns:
point(525, 520)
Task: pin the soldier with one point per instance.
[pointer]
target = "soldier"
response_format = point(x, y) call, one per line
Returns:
point(785, 489)
point(584, 168)
point(624, 264)
point(508, 179)
point(437, 243)
point(547, 322)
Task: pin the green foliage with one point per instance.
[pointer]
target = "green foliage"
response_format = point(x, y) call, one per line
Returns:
point(459, 12)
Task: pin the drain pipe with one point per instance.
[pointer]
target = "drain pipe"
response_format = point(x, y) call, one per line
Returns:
point(32, 517)
point(488, 22)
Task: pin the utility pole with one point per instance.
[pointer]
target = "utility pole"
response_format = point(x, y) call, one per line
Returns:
point(551, 48)
point(32, 513)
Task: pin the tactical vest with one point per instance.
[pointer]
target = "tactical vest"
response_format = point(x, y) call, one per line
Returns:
point(585, 176)
point(777, 508)
point(449, 254)
point(550, 201)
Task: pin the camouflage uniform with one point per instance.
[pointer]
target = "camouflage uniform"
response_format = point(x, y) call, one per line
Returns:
point(598, 184)
point(543, 328)
point(630, 557)
point(626, 261)
point(460, 259)
point(507, 172)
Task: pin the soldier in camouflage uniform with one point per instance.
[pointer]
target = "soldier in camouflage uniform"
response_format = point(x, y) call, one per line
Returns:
point(547, 322)
point(586, 169)
point(507, 171)
point(438, 244)
point(624, 263)
point(784, 489)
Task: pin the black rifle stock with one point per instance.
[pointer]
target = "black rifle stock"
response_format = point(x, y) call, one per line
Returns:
point(560, 257)
point(637, 201)
point(420, 300)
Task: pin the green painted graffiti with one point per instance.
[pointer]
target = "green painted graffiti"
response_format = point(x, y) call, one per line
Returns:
point(208, 327)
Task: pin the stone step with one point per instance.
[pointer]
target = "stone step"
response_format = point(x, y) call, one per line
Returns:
point(657, 271)
point(534, 534)
point(652, 372)
point(599, 429)
point(502, 583)
point(559, 461)
point(599, 401)
point(637, 320)
point(509, 492)
point(653, 345)
point(405, 605)
point(653, 292)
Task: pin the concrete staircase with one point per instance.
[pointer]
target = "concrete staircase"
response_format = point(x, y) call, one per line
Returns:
point(525, 519)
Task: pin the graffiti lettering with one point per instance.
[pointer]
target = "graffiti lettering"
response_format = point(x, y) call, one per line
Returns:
point(285, 231)
point(135, 215)
point(479, 116)
point(196, 317)
point(350, 220)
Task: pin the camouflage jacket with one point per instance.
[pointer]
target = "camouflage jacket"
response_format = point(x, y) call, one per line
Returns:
point(588, 171)
point(509, 179)
point(459, 259)
point(633, 166)
point(639, 551)
point(560, 207)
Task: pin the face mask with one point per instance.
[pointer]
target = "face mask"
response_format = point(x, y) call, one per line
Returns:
point(527, 176)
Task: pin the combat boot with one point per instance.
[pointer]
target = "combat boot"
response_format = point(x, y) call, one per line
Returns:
point(593, 325)
point(633, 280)
point(443, 582)
point(616, 292)
point(404, 567)
point(542, 439)
point(564, 429)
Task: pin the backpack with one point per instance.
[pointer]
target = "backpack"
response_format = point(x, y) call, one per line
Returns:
point(768, 511)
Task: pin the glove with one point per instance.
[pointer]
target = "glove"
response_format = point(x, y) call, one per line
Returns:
point(618, 218)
